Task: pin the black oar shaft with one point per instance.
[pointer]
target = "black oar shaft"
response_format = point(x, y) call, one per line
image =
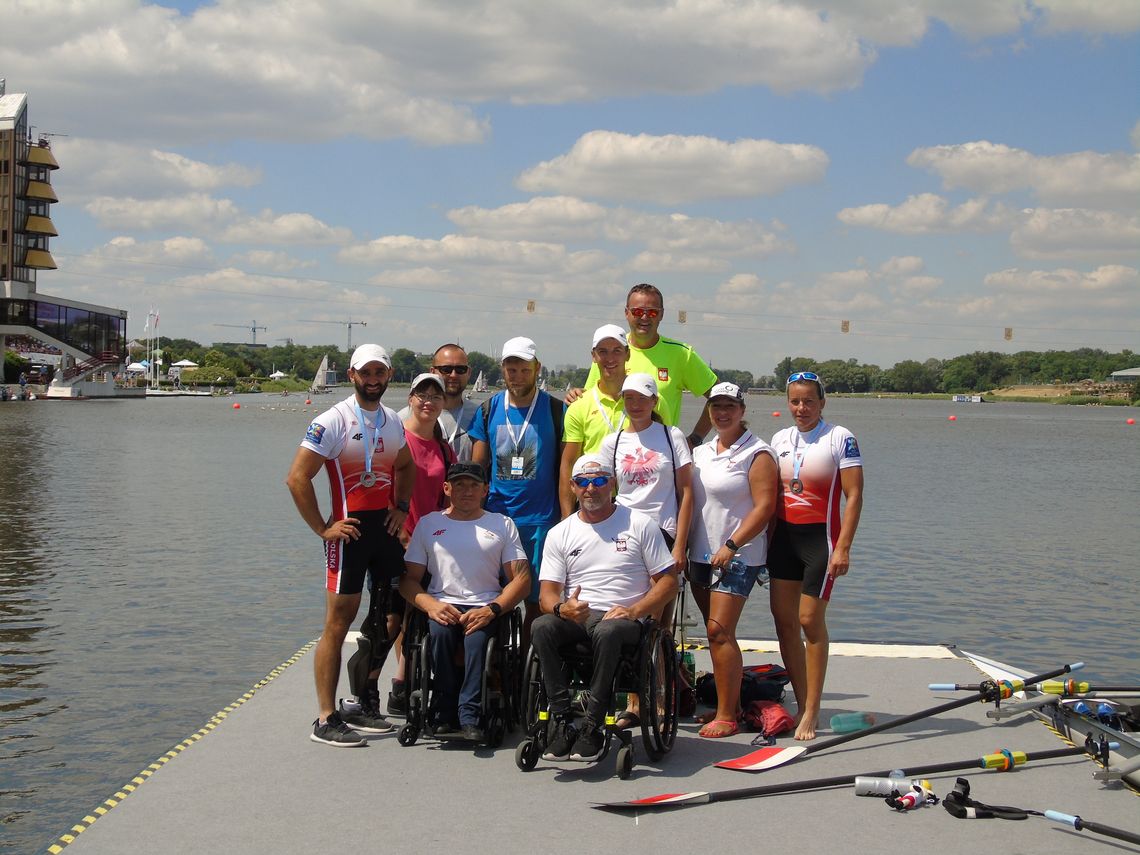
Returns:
point(1084, 825)
point(927, 713)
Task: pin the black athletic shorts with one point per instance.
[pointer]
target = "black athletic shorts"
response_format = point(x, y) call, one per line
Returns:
point(347, 562)
point(799, 552)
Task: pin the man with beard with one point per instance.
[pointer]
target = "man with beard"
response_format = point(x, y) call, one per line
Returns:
point(360, 443)
point(450, 363)
point(517, 434)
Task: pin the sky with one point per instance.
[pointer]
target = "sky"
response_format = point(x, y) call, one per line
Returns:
point(933, 173)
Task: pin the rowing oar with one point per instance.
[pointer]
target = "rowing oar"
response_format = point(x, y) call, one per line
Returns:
point(1073, 687)
point(1001, 760)
point(986, 691)
point(1084, 825)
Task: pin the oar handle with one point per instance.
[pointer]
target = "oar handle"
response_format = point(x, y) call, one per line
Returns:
point(1011, 686)
point(1084, 825)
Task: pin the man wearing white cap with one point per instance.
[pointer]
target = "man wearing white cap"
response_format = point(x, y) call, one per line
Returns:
point(517, 433)
point(597, 413)
point(675, 366)
point(604, 569)
point(360, 443)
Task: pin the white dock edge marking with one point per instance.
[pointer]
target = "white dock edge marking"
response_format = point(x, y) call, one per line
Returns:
point(847, 648)
point(146, 773)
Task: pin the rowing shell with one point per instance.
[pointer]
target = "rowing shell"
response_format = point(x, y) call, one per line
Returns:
point(1059, 714)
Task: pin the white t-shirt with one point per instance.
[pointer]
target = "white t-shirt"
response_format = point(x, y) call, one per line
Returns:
point(723, 498)
point(612, 560)
point(822, 452)
point(645, 470)
point(465, 557)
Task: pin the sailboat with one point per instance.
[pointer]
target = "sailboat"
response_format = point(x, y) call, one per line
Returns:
point(481, 383)
point(320, 379)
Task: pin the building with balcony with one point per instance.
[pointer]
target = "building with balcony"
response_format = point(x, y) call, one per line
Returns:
point(89, 338)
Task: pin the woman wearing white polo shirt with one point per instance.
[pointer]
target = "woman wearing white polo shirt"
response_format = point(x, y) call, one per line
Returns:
point(735, 486)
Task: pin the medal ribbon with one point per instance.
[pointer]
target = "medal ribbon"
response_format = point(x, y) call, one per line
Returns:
point(606, 415)
point(517, 443)
point(370, 434)
point(797, 458)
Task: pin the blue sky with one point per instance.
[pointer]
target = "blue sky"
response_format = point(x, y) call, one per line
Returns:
point(932, 173)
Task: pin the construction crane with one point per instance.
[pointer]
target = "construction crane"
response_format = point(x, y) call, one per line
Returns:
point(349, 324)
point(253, 328)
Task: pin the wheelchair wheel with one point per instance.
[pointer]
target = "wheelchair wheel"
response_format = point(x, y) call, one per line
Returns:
point(531, 691)
point(407, 735)
point(526, 755)
point(625, 761)
point(659, 695)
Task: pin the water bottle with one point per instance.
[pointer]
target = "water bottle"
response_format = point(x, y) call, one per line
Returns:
point(849, 722)
point(690, 666)
point(883, 787)
point(736, 565)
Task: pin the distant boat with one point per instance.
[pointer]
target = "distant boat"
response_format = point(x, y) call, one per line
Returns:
point(321, 378)
point(967, 399)
point(480, 383)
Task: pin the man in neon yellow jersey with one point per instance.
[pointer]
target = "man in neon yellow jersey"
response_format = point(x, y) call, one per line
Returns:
point(674, 364)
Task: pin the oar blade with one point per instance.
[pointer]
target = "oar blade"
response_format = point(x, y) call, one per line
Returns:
point(658, 802)
point(764, 758)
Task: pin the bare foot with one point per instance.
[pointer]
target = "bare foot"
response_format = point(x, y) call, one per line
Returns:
point(805, 726)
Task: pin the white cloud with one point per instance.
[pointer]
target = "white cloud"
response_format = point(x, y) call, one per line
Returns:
point(901, 265)
point(1076, 233)
point(414, 277)
point(1111, 17)
point(278, 262)
point(295, 229)
point(461, 249)
point(665, 262)
point(928, 213)
point(1080, 178)
point(672, 169)
point(194, 211)
point(1110, 277)
point(551, 218)
point(92, 167)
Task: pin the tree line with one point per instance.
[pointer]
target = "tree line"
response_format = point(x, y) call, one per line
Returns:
point(972, 372)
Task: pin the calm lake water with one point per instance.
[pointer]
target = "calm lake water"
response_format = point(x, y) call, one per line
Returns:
point(153, 568)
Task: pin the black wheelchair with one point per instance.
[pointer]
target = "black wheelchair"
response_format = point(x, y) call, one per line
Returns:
point(499, 699)
point(648, 670)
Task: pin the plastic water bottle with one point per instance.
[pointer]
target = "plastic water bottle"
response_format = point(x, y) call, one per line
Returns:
point(690, 666)
point(736, 565)
point(849, 722)
point(883, 787)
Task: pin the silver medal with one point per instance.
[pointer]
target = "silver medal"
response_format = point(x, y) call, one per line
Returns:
point(367, 479)
point(797, 486)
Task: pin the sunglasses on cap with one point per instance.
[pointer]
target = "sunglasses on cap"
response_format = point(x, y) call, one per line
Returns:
point(597, 481)
point(639, 312)
point(451, 369)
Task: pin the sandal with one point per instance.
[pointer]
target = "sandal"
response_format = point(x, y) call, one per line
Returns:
point(719, 728)
point(627, 720)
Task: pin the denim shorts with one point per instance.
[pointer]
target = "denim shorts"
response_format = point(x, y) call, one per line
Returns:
point(736, 582)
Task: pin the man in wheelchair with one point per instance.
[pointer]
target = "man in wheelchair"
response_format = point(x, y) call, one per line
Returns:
point(613, 566)
point(465, 552)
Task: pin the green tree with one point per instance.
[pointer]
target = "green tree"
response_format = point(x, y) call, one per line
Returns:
point(407, 364)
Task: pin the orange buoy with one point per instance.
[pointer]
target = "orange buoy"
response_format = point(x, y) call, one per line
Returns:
point(307, 401)
point(237, 406)
point(951, 418)
point(1131, 421)
point(775, 414)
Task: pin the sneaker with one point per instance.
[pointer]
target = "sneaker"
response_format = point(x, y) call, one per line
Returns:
point(447, 730)
point(560, 746)
point(589, 745)
point(336, 733)
point(364, 716)
point(398, 698)
point(474, 733)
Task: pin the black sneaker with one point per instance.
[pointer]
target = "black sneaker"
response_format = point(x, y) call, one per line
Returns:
point(447, 730)
point(474, 733)
point(589, 745)
point(563, 742)
point(336, 733)
point(398, 698)
point(364, 716)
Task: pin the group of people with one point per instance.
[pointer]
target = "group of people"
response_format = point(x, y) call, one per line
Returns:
point(589, 512)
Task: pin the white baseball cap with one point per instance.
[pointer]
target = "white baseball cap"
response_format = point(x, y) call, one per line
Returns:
point(642, 383)
point(431, 378)
point(591, 464)
point(726, 390)
point(609, 331)
point(521, 348)
point(369, 353)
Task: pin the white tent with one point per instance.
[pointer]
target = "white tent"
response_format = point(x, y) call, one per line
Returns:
point(277, 375)
point(184, 363)
point(136, 367)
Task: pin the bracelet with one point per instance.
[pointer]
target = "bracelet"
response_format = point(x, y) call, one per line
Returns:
point(731, 544)
point(695, 438)
point(558, 610)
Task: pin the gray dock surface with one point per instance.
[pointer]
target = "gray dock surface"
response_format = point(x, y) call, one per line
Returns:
point(256, 783)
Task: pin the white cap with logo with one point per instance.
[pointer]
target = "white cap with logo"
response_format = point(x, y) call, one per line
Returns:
point(610, 331)
point(591, 464)
point(369, 353)
point(520, 347)
point(641, 383)
point(726, 390)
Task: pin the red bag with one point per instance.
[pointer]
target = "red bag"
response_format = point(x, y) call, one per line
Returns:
point(768, 718)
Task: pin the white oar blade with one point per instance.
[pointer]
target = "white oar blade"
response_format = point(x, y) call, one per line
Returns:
point(659, 801)
point(764, 758)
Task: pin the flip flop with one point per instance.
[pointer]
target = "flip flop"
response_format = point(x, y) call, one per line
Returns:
point(711, 731)
point(627, 720)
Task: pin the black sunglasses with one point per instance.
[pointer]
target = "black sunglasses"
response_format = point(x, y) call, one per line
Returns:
point(451, 369)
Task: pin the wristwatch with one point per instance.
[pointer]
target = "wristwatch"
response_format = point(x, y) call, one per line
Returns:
point(495, 608)
point(403, 505)
point(731, 544)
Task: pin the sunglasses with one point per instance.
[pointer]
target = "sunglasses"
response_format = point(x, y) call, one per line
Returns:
point(450, 369)
point(803, 375)
point(596, 481)
point(644, 313)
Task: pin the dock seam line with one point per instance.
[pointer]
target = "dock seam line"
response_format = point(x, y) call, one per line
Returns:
point(142, 777)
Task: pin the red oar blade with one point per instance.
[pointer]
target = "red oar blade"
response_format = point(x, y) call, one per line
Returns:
point(763, 758)
point(664, 800)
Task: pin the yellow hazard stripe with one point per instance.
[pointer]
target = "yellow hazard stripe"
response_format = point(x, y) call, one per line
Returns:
point(145, 774)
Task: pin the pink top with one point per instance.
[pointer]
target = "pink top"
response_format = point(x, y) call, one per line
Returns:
point(431, 472)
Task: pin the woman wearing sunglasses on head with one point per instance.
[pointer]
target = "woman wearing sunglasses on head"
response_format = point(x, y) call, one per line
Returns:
point(811, 546)
point(735, 492)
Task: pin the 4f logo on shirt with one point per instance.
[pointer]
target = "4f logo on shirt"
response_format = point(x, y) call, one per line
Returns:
point(850, 448)
point(663, 375)
point(574, 553)
point(438, 532)
point(621, 544)
point(314, 433)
